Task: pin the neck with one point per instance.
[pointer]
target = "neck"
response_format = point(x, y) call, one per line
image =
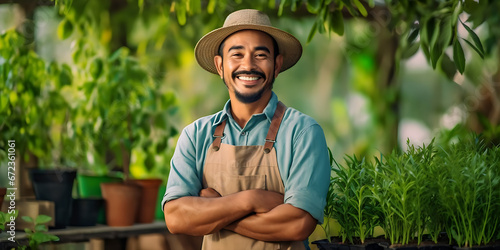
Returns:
point(242, 112)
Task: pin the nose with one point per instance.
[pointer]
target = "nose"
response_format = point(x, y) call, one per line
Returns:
point(248, 63)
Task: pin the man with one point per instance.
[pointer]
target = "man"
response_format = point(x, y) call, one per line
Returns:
point(254, 175)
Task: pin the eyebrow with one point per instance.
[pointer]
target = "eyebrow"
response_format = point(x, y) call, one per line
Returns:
point(237, 47)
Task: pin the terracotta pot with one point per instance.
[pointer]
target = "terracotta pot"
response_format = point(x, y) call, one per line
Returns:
point(89, 186)
point(122, 202)
point(149, 199)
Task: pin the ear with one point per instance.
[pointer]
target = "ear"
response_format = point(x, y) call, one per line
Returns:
point(218, 65)
point(277, 65)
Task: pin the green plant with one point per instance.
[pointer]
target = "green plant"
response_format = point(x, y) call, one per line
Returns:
point(126, 113)
point(469, 191)
point(38, 234)
point(401, 188)
point(6, 217)
point(33, 109)
point(355, 208)
point(331, 198)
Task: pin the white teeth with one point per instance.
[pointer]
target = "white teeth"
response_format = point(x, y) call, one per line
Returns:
point(247, 78)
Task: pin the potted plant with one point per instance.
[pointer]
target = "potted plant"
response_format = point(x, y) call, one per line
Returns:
point(432, 197)
point(37, 114)
point(351, 203)
point(128, 115)
point(402, 187)
point(469, 192)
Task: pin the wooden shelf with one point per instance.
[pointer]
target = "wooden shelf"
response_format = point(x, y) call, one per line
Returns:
point(79, 234)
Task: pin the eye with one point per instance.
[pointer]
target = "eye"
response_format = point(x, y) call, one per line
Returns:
point(261, 55)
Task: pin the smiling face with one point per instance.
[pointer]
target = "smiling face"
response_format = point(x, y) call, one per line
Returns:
point(248, 65)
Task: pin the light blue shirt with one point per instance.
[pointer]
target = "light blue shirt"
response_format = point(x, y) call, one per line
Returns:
point(300, 146)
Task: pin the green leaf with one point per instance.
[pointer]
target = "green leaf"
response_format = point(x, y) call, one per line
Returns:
point(457, 11)
point(312, 32)
point(448, 66)
point(41, 228)
point(313, 6)
point(65, 29)
point(211, 6)
point(411, 50)
point(27, 219)
point(271, 4)
point(282, 5)
point(435, 33)
point(337, 22)
point(40, 237)
point(361, 8)
point(475, 38)
point(458, 56)
point(427, 31)
point(42, 219)
point(180, 11)
point(474, 48)
point(436, 53)
point(413, 35)
point(470, 6)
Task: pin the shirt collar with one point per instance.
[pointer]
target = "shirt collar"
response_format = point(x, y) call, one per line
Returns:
point(268, 110)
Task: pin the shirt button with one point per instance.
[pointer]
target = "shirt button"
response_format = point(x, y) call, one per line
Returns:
point(243, 133)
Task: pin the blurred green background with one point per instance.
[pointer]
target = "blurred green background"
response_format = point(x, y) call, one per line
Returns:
point(102, 85)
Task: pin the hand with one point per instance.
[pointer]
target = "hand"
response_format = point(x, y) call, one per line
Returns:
point(209, 193)
point(264, 201)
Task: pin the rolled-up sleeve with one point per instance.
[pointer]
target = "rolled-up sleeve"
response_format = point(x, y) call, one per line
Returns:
point(183, 179)
point(309, 176)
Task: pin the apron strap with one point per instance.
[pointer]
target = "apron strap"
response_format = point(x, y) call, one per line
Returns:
point(275, 125)
point(219, 132)
point(271, 134)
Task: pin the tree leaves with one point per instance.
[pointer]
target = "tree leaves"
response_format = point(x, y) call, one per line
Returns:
point(478, 46)
point(458, 56)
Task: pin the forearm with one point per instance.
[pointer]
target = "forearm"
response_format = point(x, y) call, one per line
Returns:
point(200, 215)
point(283, 223)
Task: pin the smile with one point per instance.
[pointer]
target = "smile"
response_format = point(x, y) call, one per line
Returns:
point(249, 78)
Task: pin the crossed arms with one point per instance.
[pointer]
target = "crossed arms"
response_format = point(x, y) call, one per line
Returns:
point(257, 214)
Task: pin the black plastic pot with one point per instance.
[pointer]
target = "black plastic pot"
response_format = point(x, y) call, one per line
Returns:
point(326, 245)
point(421, 247)
point(55, 186)
point(85, 211)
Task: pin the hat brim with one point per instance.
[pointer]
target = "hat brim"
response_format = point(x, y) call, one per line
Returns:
point(208, 46)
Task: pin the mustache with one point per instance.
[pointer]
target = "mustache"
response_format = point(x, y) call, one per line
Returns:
point(251, 72)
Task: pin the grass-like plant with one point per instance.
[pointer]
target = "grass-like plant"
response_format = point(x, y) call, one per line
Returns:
point(401, 189)
point(354, 206)
point(469, 191)
point(442, 187)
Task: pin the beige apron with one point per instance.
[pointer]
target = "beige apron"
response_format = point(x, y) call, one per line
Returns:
point(229, 169)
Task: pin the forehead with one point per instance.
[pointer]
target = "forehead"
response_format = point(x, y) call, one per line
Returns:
point(249, 38)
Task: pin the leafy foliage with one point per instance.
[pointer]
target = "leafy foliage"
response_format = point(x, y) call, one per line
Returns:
point(468, 190)
point(453, 188)
point(6, 217)
point(355, 208)
point(38, 234)
point(31, 102)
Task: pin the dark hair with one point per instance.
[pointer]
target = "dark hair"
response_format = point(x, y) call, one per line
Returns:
point(275, 46)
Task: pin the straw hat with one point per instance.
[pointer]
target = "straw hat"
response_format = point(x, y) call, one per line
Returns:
point(208, 46)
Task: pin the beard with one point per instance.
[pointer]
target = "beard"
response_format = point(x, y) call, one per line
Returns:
point(252, 97)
